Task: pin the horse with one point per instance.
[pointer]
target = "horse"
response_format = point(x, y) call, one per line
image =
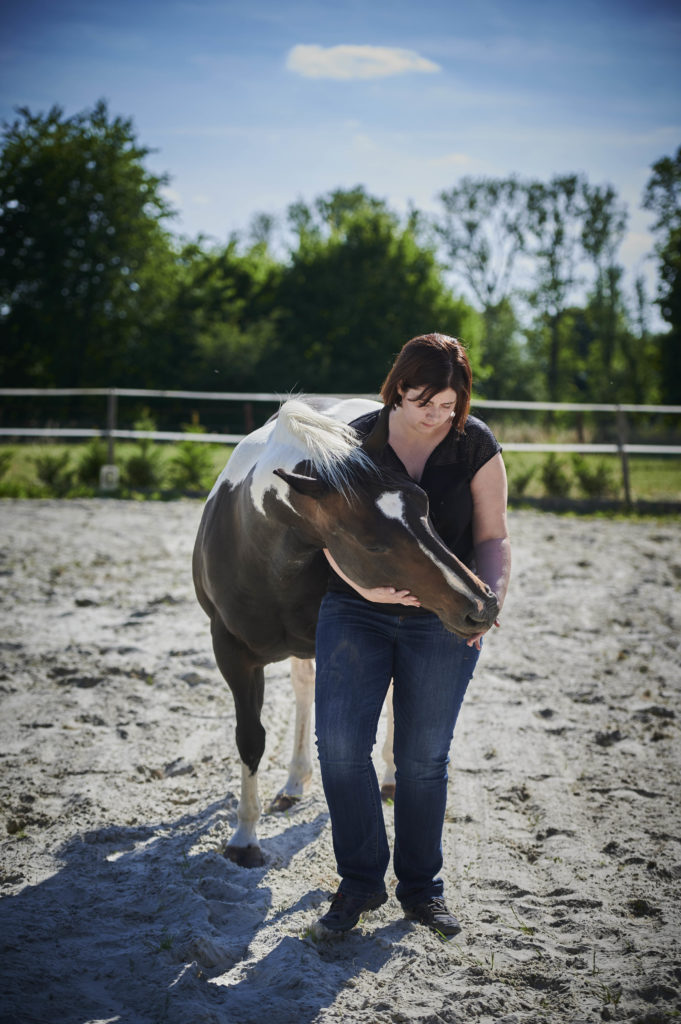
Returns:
point(302, 482)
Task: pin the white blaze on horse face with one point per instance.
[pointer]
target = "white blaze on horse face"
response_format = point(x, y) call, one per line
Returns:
point(391, 504)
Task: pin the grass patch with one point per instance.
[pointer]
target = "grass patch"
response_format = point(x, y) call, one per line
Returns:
point(27, 470)
point(652, 477)
point(181, 469)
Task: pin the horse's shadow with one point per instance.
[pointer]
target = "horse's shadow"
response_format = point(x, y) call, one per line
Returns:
point(135, 926)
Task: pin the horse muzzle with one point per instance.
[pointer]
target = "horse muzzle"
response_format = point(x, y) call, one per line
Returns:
point(472, 622)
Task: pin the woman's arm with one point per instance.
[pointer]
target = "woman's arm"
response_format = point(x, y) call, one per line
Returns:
point(380, 595)
point(490, 532)
point(489, 491)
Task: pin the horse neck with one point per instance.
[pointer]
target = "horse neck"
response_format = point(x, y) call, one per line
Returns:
point(302, 535)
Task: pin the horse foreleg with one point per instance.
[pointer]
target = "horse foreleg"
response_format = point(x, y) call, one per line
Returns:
point(388, 783)
point(247, 683)
point(244, 848)
point(300, 768)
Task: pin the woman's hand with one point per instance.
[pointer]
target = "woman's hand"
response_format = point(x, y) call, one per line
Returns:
point(379, 595)
point(388, 595)
point(474, 641)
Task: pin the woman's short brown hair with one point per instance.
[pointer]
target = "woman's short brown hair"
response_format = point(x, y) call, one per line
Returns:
point(432, 362)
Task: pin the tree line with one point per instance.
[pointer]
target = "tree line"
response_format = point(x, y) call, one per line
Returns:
point(96, 289)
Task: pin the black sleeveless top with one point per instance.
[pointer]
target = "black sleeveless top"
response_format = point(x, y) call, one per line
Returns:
point(446, 479)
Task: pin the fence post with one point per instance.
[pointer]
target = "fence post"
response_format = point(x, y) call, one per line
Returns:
point(111, 410)
point(624, 458)
point(109, 474)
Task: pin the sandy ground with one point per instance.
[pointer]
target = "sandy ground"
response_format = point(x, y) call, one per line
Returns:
point(119, 783)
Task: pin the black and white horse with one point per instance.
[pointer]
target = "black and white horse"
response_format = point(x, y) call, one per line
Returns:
point(298, 484)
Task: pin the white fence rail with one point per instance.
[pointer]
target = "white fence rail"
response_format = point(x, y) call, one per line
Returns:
point(260, 396)
point(112, 432)
point(183, 435)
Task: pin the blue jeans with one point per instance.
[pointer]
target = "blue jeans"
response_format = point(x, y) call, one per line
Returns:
point(360, 648)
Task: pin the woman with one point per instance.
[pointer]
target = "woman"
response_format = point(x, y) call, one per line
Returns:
point(366, 637)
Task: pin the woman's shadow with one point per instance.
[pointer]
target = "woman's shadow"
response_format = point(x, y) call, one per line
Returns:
point(133, 929)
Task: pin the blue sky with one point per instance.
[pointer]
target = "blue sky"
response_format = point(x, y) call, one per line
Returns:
point(252, 106)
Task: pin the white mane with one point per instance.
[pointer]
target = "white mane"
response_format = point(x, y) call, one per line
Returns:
point(298, 434)
point(330, 445)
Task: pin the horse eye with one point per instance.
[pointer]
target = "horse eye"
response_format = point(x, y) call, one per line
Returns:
point(376, 548)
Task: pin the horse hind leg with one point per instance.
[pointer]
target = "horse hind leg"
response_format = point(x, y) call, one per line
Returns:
point(247, 683)
point(388, 783)
point(300, 768)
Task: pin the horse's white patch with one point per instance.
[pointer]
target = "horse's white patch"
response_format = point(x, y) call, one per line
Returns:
point(248, 811)
point(262, 453)
point(299, 432)
point(348, 409)
point(243, 458)
point(391, 504)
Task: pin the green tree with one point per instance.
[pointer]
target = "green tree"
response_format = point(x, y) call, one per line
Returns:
point(358, 285)
point(483, 232)
point(662, 196)
point(509, 371)
point(604, 223)
point(85, 266)
point(555, 212)
point(641, 351)
point(222, 318)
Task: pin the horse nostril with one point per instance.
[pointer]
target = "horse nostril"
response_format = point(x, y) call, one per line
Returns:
point(485, 616)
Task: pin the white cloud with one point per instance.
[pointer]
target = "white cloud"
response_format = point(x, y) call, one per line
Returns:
point(346, 62)
point(451, 160)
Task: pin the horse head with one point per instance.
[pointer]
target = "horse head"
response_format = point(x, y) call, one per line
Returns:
point(379, 533)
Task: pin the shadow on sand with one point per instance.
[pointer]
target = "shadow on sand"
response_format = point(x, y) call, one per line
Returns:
point(134, 927)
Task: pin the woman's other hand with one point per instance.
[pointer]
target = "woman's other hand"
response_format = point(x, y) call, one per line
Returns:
point(474, 641)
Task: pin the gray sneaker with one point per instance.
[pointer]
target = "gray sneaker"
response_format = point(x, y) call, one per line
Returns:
point(345, 911)
point(434, 914)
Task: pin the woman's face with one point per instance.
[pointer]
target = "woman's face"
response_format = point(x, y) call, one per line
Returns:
point(431, 417)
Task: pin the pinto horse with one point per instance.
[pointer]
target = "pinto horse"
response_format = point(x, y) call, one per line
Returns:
point(301, 483)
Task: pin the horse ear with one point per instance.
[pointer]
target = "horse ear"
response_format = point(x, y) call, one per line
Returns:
point(312, 486)
point(376, 441)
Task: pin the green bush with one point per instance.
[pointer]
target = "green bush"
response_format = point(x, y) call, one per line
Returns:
point(191, 467)
point(556, 481)
point(54, 473)
point(5, 462)
point(595, 479)
point(143, 471)
point(93, 457)
point(518, 482)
